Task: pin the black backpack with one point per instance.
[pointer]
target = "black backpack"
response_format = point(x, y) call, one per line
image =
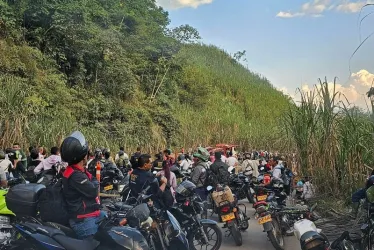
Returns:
point(134, 160)
point(52, 205)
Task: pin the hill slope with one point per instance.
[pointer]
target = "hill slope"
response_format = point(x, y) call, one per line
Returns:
point(114, 70)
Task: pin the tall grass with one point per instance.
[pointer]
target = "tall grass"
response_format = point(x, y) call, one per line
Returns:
point(333, 140)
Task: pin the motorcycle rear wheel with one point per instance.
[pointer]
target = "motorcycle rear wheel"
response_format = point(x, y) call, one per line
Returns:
point(236, 234)
point(250, 197)
point(276, 237)
point(207, 229)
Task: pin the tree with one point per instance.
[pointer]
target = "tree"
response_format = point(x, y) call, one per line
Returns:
point(185, 34)
point(239, 55)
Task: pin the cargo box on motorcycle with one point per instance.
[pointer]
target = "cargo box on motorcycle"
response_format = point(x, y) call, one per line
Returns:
point(220, 197)
point(22, 199)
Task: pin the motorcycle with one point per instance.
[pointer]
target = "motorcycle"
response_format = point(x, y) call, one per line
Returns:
point(267, 214)
point(40, 236)
point(310, 236)
point(7, 232)
point(189, 206)
point(367, 229)
point(35, 234)
point(230, 213)
point(240, 185)
point(164, 231)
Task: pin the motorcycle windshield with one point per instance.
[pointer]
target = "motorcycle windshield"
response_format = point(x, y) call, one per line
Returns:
point(182, 236)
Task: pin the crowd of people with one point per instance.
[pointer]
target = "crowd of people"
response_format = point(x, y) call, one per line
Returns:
point(80, 187)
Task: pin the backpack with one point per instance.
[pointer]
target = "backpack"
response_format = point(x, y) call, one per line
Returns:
point(122, 161)
point(52, 204)
point(134, 160)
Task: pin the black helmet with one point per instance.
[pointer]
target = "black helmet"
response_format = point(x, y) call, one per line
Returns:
point(312, 241)
point(74, 148)
point(370, 182)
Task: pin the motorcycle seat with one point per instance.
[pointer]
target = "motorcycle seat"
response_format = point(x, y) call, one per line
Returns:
point(45, 230)
point(74, 244)
point(264, 203)
point(122, 206)
point(67, 230)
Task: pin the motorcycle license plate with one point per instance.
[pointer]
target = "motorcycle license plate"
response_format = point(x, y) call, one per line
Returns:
point(264, 219)
point(262, 197)
point(110, 187)
point(228, 217)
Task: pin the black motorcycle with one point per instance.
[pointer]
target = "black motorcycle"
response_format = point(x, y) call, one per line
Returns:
point(201, 233)
point(229, 212)
point(367, 229)
point(162, 230)
point(241, 186)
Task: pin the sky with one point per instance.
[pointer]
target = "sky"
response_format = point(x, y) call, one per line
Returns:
point(292, 43)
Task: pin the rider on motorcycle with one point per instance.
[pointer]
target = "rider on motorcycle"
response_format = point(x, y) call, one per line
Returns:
point(198, 174)
point(220, 170)
point(80, 190)
point(92, 164)
point(141, 177)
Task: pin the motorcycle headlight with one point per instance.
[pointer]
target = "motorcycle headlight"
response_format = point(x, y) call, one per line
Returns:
point(246, 179)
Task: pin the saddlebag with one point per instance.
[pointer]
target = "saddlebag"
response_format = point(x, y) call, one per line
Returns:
point(22, 199)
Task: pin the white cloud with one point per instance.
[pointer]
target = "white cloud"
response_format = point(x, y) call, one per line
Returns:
point(316, 8)
point(350, 6)
point(177, 4)
point(363, 78)
point(354, 91)
point(313, 8)
point(283, 14)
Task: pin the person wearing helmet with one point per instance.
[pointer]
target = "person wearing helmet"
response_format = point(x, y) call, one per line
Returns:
point(198, 174)
point(91, 166)
point(80, 189)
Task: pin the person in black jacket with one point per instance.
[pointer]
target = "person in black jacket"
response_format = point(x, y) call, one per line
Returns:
point(141, 178)
point(80, 189)
point(220, 170)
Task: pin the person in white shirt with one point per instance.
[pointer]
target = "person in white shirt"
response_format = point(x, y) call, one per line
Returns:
point(183, 163)
point(232, 161)
point(49, 162)
point(277, 171)
point(5, 164)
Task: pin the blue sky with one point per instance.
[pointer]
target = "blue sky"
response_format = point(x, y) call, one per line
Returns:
point(292, 43)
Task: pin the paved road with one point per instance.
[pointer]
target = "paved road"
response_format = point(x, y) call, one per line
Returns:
point(254, 238)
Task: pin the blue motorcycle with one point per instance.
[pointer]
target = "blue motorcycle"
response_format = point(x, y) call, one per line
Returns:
point(57, 237)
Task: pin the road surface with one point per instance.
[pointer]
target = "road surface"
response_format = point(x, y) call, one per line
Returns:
point(254, 238)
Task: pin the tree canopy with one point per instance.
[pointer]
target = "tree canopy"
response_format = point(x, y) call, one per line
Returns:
point(116, 70)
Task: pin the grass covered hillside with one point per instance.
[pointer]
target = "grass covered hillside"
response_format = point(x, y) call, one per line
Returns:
point(114, 70)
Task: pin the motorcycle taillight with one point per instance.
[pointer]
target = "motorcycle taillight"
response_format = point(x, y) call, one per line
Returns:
point(225, 209)
point(261, 209)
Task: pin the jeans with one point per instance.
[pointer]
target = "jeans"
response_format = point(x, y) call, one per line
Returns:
point(87, 227)
point(358, 195)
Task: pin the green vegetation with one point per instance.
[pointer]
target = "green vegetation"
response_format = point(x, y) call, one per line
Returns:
point(114, 69)
point(334, 141)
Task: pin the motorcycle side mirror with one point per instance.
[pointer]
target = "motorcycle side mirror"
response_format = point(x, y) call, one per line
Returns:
point(209, 188)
